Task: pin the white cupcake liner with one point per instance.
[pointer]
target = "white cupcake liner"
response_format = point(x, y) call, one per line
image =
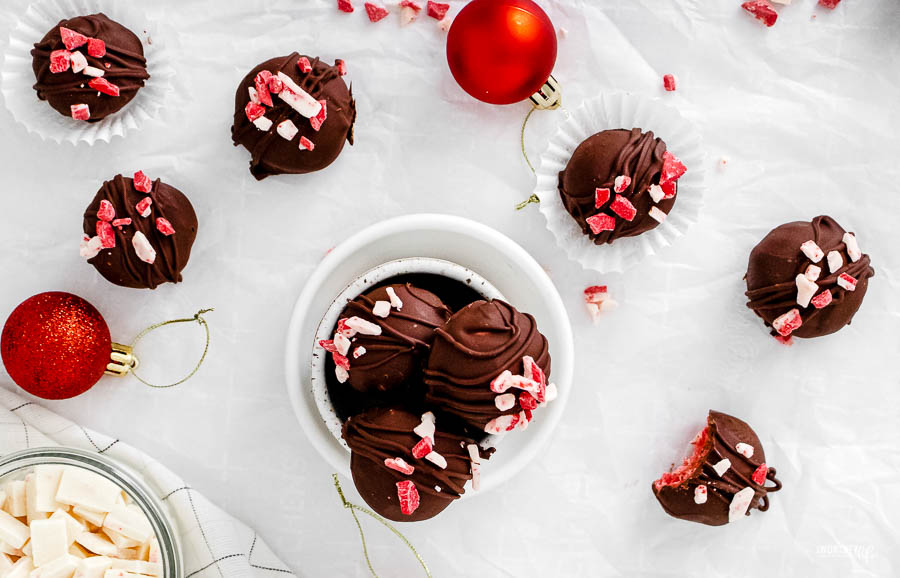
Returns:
point(17, 76)
point(614, 111)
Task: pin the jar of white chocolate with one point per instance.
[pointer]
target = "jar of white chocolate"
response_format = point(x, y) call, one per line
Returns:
point(67, 513)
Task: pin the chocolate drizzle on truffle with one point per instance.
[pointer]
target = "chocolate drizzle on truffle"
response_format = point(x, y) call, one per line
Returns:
point(127, 67)
point(777, 260)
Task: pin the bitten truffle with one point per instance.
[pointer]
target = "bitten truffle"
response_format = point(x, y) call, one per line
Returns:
point(807, 279)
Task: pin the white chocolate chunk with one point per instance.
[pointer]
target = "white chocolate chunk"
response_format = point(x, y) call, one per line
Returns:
point(263, 123)
point(656, 193)
point(381, 309)
point(805, 290)
point(700, 494)
point(21, 569)
point(740, 503)
point(12, 532)
point(138, 567)
point(812, 251)
point(287, 129)
point(396, 302)
point(121, 542)
point(722, 467)
point(813, 272)
point(130, 522)
point(128, 554)
point(2, 498)
point(85, 489)
point(48, 541)
point(61, 567)
point(154, 554)
point(7, 549)
point(113, 573)
point(97, 543)
point(745, 450)
point(79, 62)
point(143, 551)
point(93, 567)
point(852, 247)
point(46, 483)
point(90, 516)
point(835, 261)
point(297, 98)
point(15, 500)
point(77, 551)
point(73, 526)
point(31, 511)
point(93, 71)
point(6, 563)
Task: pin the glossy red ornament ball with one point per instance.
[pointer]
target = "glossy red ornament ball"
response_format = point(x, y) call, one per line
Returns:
point(501, 51)
point(55, 345)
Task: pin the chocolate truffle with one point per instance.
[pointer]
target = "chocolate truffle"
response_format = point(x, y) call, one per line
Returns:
point(619, 183)
point(404, 469)
point(407, 317)
point(723, 479)
point(89, 67)
point(487, 367)
point(139, 233)
point(807, 279)
point(293, 114)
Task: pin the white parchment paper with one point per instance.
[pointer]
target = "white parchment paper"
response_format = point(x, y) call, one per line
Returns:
point(806, 113)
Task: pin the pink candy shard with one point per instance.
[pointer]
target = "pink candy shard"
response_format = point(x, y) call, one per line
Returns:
point(527, 401)
point(261, 82)
point(623, 207)
point(79, 62)
point(601, 196)
point(104, 86)
point(106, 234)
point(72, 39)
point(437, 10)
point(164, 226)
point(700, 494)
point(788, 323)
point(669, 188)
point(106, 212)
point(672, 169)
point(341, 361)
point(621, 184)
point(96, 48)
point(254, 111)
point(80, 112)
point(502, 424)
point(759, 476)
point(143, 206)
point(60, 61)
point(375, 12)
point(830, 4)
point(400, 465)
point(307, 144)
point(142, 182)
point(304, 65)
point(762, 10)
point(317, 121)
point(595, 293)
point(90, 246)
point(411, 5)
point(600, 223)
point(658, 214)
point(359, 352)
point(821, 300)
point(341, 66)
point(669, 82)
point(143, 248)
point(848, 282)
point(121, 222)
point(345, 6)
point(328, 345)
point(423, 448)
point(409, 11)
point(275, 85)
point(812, 251)
point(409, 497)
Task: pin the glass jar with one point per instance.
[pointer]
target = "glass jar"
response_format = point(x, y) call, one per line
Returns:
point(16, 465)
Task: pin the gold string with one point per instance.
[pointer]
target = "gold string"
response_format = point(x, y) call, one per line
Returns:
point(198, 317)
point(351, 506)
point(522, 137)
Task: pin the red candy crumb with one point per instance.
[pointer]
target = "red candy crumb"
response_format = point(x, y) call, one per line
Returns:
point(96, 48)
point(423, 448)
point(121, 222)
point(104, 86)
point(788, 323)
point(762, 10)
point(759, 476)
point(595, 293)
point(789, 341)
point(275, 85)
point(345, 6)
point(318, 120)
point(341, 361)
point(600, 223)
point(623, 207)
point(164, 226)
point(821, 300)
point(307, 144)
point(341, 66)
point(328, 345)
point(80, 111)
point(601, 196)
point(669, 189)
point(304, 65)
point(375, 12)
point(254, 111)
point(830, 4)
point(106, 234)
point(142, 182)
point(409, 497)
point(72, 39)
point(400, 465)
point(669, 82)
point(143, 207)
point(262, 88)
point(527, 401)
point(60, 61)
point(846, 281)
point(672, 169)
point(106, 212)
point(411, 5)
point(621, 183)
point(437, 10)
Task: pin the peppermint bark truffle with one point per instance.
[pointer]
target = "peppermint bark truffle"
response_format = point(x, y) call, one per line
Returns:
point(489, 366)
point(138, 233)
point(807, 279)
point(89, 67)
point(620, 183)
point(723, 479)
point(293, 114)
point(383, 337)
point(405, 468)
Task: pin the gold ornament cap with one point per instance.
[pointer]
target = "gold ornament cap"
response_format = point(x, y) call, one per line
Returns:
point(549, 96)
point(121, 360)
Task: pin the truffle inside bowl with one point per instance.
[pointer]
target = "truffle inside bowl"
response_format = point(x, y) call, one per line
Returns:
point(454, 284)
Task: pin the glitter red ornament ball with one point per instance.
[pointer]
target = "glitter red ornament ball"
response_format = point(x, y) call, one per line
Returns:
point(55, 345)
point(501, 51)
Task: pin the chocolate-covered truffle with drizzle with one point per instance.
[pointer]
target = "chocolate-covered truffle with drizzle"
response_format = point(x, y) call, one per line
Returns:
point(293, 113)
point(488, 366)
point(138, 233)
point(407, 317)
point(723, 479)
point(620, 183)
point(807, 279)
point(89, 67)
point(404, 467)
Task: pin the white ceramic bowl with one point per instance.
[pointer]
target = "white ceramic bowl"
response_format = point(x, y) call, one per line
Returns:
point(508, 267)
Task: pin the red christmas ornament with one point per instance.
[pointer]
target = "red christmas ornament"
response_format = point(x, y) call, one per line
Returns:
point(55, 345)
point(501, 51)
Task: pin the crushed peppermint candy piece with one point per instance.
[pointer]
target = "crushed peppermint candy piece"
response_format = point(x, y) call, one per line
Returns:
point(363, 327)
point(505, 401)
point(745, 450)
point(121, 222)
point(823, 299)
point(317, 121)
point(740, 503)
point(104, 86)
point(788, 341)
point(263, 123)
point(287, 130)
point(80, 111)
point(813, 272)
point(275, 85)
point(623, 207)
point(444, 25)
point(341, 361)
point(60, 60)
point(341, 66)
point(343, 329)
point(805, 290)
point(502, 424)
point(375, 12)
point(396, 302)
point(164, 226)
point(852, 247)
point(307, 144)
point(601, 222)
point(656, 193)
point(658, 214)
point(381, 309)
point(297, 98)
point(345, 6)
point(142, 182)
point(96, 48)
point(669, 82)
point(595, 293)
point(93, 71)
point(437, 10)
point(408, 495)
point(848, 282)
point(762, 10)
point(254, 111)
point(106, 212)
point(700, 494)
point(409, 11)
point(759, 476)
point(304, 65)
point(143, 248)
point(359, 352)
point(669, 188)
point(90, 246)
point(835, 261)
point(474, 454)
point(722, 466)
point(72, 39)
point(400, 465)
point(476, 476)
point(79, 62)
point(601, 197)
point(812, 251)
point(526, 400)
point(672, 169)
point(342, 343)
point(261, 83)
point(437, 459)
point(551, 393)
point(143, 206)
point(426, 428)
point(254, 96)
point(328, 345)
point(830, 4)
point(787, 323)
point(621, 183)
point(423, 448)
point(342, 374)
point(597, 300)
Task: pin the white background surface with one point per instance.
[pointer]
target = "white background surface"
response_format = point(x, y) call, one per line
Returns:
point(806, 112)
